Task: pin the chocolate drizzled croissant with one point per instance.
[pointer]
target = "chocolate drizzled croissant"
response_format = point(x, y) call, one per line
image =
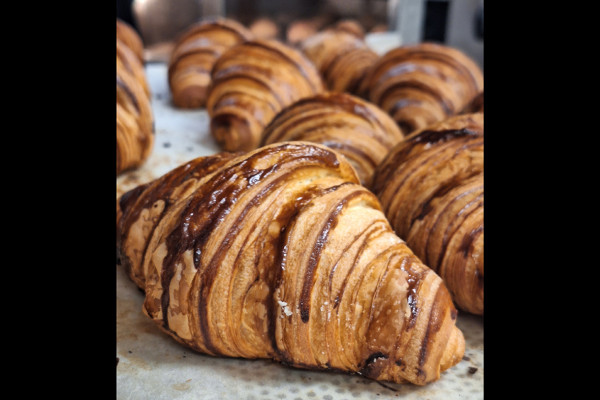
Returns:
point(251, 83)
point(342, 58)
point(194, 55)
point(475, 105)
point(422, 84)
point(431, 189)
point(129, 36)
point(356, 128)
point(135, 121)
point(279, 253)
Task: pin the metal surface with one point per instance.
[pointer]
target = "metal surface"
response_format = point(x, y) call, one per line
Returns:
point(151, 365)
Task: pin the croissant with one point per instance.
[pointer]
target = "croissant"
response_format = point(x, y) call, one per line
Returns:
point(135, 121)
point(431, 189)
point(421, 84)
point(359, 130)
point(251, 83)
point(194, 55)
point(475, 105)
point(342, 58)
point(128, 35)
point(352, 26)
point(279, 253)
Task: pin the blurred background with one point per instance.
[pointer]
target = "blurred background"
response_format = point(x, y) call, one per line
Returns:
point(457, 23)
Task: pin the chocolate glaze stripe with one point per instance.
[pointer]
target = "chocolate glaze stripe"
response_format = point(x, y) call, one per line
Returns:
point(435, 319)
point(133, 202)
point(410, 168)
point(444, 58)
point(300, 64)
point(222, 80)
point(294, 116)
point(435, 54)
point(123, 86)
point(123, 57)
point(405, 153)
point(315, 255)
point(376, 229)
point(433, 91)
point(206, 51)
point(473, 207)
point(292, 213)
point(479, 199)
point(209, 273)
point(348, 149)
point(207, 26)
point(344, 103)
point(444, 188)
point(415, 277)
point(209, 205)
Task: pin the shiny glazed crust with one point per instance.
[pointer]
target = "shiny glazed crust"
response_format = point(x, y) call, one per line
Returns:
point(279, 253)
point(431, 189)
point(135, 130)
point(194, 55)
point(251, 83)
point(342, 58)
point(359, 130)
point(419, 85)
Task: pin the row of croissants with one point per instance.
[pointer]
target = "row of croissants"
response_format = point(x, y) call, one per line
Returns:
point(341, 227)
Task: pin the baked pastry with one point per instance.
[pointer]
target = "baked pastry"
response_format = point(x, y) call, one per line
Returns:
point(475, 105)
point(194, 55)
point(264, 28)
point(279, 253)
point(128, 61)
point(421, 84)
point(251, 83)
point(350, 26)
point(431, 189)
point(359, 130)
point(135, 120)
point(342, 58)
point(129, 36)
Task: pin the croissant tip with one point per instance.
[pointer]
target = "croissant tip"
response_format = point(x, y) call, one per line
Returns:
point(454, 351)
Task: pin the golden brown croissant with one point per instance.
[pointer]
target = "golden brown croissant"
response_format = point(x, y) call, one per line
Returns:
point(431, 189)
point(475, 105)
point(128, 35)
point(421, 84)
point(342, 58)
point(135, 121)
point(194, 55)
point(251, 83)
point(359, 130)
point(279, 253)
point(352, 26)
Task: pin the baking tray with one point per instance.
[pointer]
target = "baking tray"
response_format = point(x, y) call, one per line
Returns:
point(152, 365)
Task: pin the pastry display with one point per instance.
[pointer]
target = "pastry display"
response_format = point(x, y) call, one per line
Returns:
point(359, 130)
point(280, 253)
point(194, 55)
point(135, 121)
point(341, 56)
point(422, 84)
point(251, 83)
point(431, 189)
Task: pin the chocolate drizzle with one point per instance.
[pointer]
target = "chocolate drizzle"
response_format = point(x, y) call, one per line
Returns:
point(237, 224)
